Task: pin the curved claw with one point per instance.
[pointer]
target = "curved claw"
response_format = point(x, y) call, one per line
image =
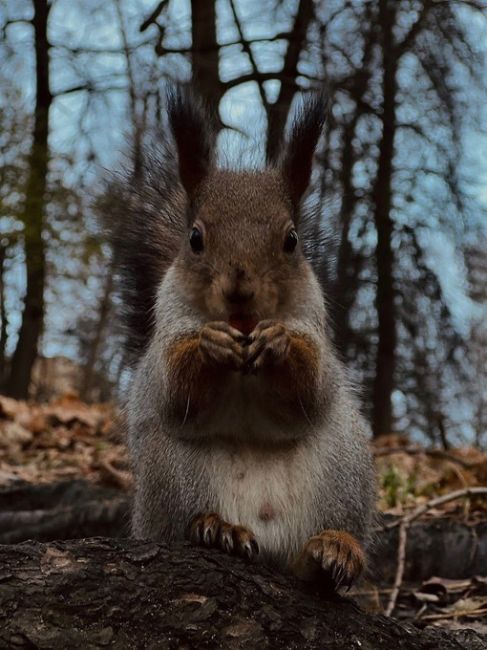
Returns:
point(334, 553)
point(211, 530)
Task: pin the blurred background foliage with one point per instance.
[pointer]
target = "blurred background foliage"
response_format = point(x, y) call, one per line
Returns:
point(401, 175)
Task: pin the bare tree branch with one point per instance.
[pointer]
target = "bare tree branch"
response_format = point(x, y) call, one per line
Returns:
point(248, 50)
point(408, 40)
point(154, 15)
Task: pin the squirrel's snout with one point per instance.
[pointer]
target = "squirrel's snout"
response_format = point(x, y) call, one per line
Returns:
point(238, 288)
point(239, 295)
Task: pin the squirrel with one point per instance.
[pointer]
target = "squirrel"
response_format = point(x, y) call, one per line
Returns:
point(244, 432)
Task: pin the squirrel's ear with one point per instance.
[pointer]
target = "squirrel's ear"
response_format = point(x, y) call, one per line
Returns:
point(297, 159)
point(194, 137)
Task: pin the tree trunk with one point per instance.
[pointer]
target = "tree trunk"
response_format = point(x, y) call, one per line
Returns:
point(129, 594)
point(33, 215)
point(382, 417)
point(100, 327)
point(67, 509)
point(3, 311)
point(205, 51)
point(278, 112)
point(348, 262)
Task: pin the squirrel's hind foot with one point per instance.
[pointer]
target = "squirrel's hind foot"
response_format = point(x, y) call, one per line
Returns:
point(333, 553)
point(209, 529)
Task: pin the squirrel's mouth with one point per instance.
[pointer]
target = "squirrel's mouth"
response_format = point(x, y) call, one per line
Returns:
point(243, 322)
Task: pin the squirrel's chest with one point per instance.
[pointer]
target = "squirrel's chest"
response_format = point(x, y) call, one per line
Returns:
point(270, 492)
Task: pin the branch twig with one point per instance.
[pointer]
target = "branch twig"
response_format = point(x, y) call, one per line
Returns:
point(404, 524)
point(248, 50)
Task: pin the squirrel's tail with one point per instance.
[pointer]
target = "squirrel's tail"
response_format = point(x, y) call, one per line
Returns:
point(143, 211)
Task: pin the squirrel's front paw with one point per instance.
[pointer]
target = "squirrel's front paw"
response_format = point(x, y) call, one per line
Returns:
point(335, 553)
point(268, 343)
point(221, 344)
point(209, 529)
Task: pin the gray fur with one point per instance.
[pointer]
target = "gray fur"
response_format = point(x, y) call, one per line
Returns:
point(313, 468)
point(319, 474)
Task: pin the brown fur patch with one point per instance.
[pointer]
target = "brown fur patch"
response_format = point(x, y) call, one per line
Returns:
point(190, 380)
point(245, 216)
point(294, 381)
point(290, 385)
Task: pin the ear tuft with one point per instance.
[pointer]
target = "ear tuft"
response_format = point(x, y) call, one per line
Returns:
point(297, 159)
point(194, 135)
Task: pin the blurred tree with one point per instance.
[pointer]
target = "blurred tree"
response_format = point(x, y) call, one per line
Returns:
point(97, 332)
point(349, 261)
point(33, 214)
point(204, 51)
point(3, 309)
point(382, 418)
point(205, 57)
point(278, 111)
point(401, 77)
point(13, 126)
point(55, 232)
point(477, 347)
point(97, 340)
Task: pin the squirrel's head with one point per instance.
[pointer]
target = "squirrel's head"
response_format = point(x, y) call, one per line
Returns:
point(242, 257)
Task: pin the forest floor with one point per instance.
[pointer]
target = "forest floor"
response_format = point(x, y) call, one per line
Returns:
point(68, 440)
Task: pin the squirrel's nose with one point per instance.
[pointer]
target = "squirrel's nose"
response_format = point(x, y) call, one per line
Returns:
point(237, 287)
point(239, 295)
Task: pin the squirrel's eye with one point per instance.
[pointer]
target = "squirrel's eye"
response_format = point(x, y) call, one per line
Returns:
point(196, 240)
point(291, 241)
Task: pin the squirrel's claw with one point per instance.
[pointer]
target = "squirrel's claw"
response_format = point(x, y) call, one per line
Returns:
point(226, 537)
point(339, 576)
point(334, 553)
point(268, 342)
point(247, 543)
point(209, 529)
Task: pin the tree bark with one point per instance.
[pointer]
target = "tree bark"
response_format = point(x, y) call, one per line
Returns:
point(348, 262)
point(33, 215)
point(382, 416)
point(129, 594)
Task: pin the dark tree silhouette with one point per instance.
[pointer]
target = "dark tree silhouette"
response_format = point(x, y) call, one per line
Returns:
point(33, 214)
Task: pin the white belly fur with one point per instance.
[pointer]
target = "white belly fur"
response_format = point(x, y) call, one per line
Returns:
point(269, 491)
